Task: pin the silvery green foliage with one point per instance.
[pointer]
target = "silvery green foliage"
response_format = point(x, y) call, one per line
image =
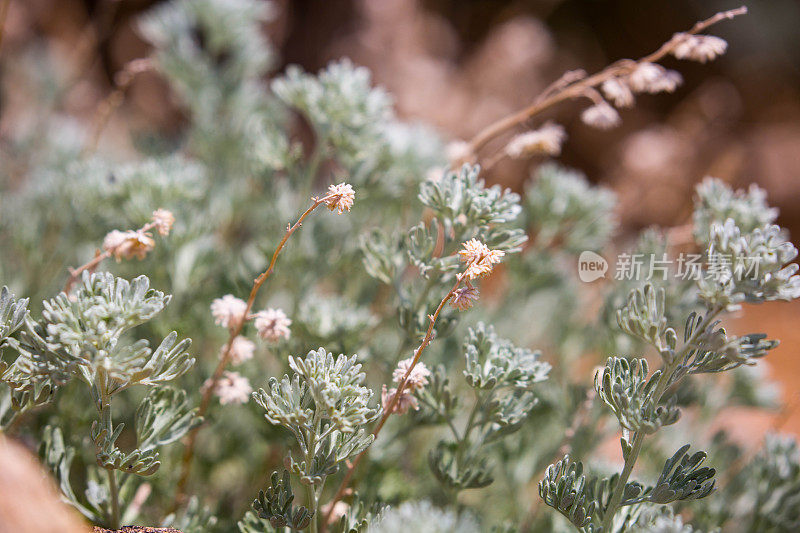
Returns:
point(464, 208)
point(715, 202)
point(502, 377)
point(85, 336)
point(423, 517)
point(347, 114)
point(234, 176)
point(12, 317)
point(561, 205)
point(214, 54)
point(627, 388)
point(763, 495)
point(326, 407)
point(467, 208)
point(643, 401)
point(750, 266)
point(193, 519)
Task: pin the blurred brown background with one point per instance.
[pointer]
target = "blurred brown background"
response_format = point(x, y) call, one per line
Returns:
point(460, 64)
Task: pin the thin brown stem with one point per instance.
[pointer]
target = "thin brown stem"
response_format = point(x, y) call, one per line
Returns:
point(564, 89)
point(99, 257)
point(107, 107)
point(235, 330)
point(388, 410)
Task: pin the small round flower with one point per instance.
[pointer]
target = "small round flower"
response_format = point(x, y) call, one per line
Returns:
point(340, 197)
point(601, 116)
point(418, 377)
point(232, 387)
point(618, 91)
point(545, 140)
point(479, 258)
point(163, 221)
point(242, 350)
point(458, 152)
point(700, 48)
point(464, 297)
point(405, 401)
point(272, 324)
point(113, 239)
point(652, 78)
point(228, 311)
point(128, 244)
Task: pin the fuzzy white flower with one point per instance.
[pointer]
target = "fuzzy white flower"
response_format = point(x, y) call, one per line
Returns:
point(163, 221)
point(272, 324)
point(464, 297)
point(700, 48)
point(405, 401)
point(418, 377)
point(228, 311)
point(479, 258)
point(458, 152)
point(128, 244)
point(232, 387)
point(601, 116)
point(341, 197)
point(652, 78)
point(618, 91)
point(545, 140)
point(242, 350)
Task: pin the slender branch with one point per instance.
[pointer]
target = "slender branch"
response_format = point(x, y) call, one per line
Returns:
point(395, 398)
point(106, 108)
point(235, 330)
point(566, 88)
point(99, 257)
point(114, 496)
point(638, 440)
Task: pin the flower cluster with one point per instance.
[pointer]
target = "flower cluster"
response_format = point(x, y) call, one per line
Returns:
point(545, 140)
point(417, 380)
point(128, 244)
point(479, 259)
point(272, 324)
point(231, 388)
point(702, 48)
point(228, 311)
point(137, 243)
point(340, 197)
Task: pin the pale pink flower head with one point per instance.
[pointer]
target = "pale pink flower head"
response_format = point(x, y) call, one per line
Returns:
point(340, 197)
point(618, 91)
point(272, 324)
point(700, 48)
point(418, 377)
point(228, 311)
point(405, 401)
point(242, 350)
point(601, 116)
point(232, 387)
point(464, 297)
point(163, 221)
point(653, 78)
point(128, 244)
point(458, 152)
point(545, 140)
point(479, 258)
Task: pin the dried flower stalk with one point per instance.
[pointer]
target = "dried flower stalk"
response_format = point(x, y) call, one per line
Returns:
point(336, 197)
point(573, 85)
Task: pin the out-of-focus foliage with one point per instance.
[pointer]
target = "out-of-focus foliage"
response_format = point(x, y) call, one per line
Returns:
point(497, 418)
